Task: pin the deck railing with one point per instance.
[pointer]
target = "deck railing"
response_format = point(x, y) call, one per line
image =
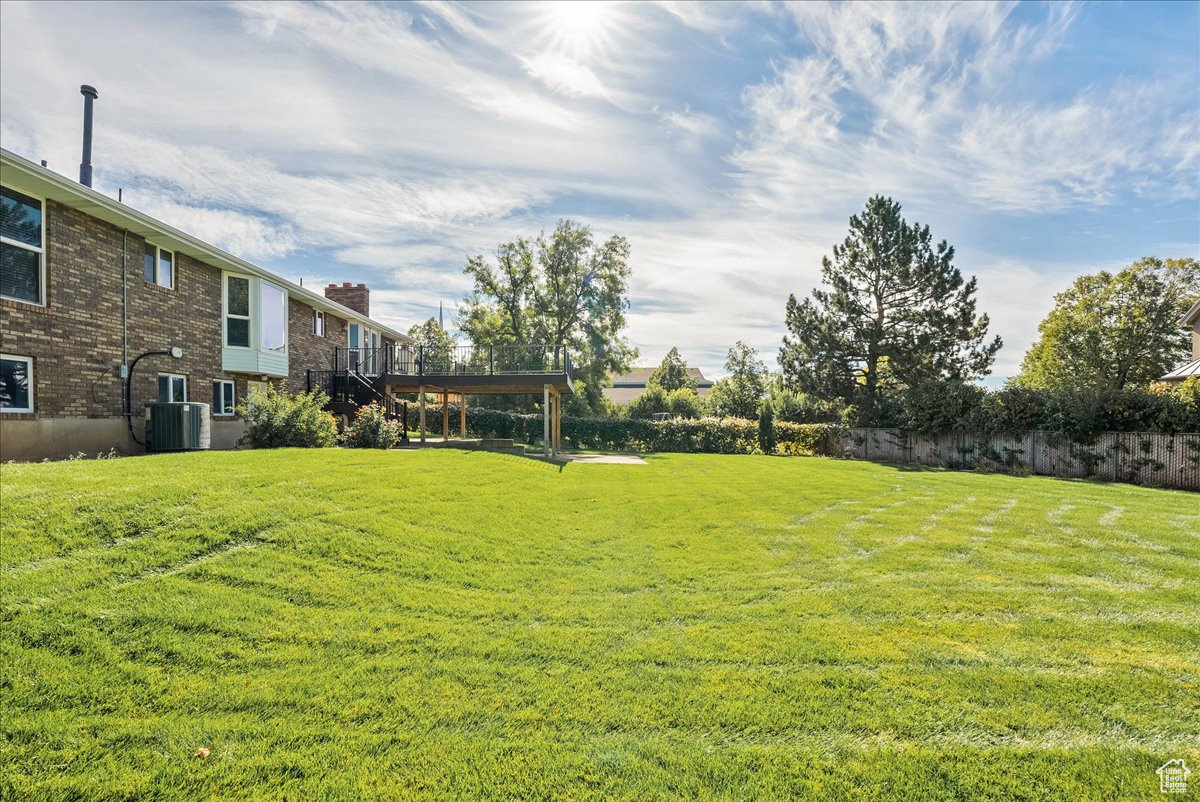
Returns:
point(457, 360)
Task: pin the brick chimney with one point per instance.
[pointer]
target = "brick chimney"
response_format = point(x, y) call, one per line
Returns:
point(357, 297)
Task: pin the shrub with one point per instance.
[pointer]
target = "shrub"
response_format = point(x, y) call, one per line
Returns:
point(795, 407)
point(683, 403)
point(766, 430)
point(372, 429)
point(702, 436)
point(276, 419)
point(940, 406)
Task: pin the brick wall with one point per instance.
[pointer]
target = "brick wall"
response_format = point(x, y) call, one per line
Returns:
point(356, 297)
point(76, 340)
point(306, 350)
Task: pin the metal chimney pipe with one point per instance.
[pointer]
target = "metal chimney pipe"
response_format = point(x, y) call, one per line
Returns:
point(85, 167)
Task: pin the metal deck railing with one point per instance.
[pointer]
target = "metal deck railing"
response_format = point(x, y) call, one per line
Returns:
point(458, 360)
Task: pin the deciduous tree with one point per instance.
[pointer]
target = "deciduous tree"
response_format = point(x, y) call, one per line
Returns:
point(1110, 330)
point(567, 289)
point(741, 391)
point(672, 374)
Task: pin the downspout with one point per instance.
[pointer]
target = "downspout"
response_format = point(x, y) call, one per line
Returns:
point(125, 300)
point(125, 334)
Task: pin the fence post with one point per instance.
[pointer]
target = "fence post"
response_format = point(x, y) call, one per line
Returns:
point(491, 360)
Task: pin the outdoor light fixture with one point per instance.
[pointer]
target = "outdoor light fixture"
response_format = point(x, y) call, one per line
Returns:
point(175, 353)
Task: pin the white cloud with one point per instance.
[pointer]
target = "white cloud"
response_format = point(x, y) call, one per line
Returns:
point(374, 143)
point(941, 121)
point(564, 75)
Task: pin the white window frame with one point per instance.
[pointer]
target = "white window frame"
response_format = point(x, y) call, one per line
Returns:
point(225, 315)
point(257, 301)
point(28, 360)
point(158, 252)
point(40, 251)
point(318, 323)
point(170, 377)
point(225, 412)
point(254, 286)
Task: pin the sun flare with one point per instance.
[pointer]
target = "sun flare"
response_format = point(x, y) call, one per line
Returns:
point(581, 27)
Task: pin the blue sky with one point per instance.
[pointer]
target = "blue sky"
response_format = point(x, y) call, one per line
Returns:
point(729, 142)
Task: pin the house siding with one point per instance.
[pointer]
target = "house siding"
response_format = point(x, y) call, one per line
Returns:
point(76, 341)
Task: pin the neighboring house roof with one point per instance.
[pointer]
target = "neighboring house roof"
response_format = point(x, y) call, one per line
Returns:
point(23, 174)
point(1183, 372)
point(1190, 316)
point(629, 386)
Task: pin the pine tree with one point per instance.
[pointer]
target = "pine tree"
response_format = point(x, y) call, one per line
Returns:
point(893, 311)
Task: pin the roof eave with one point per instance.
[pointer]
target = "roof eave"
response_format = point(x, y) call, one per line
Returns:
point(47, 183)
point(1190, 316)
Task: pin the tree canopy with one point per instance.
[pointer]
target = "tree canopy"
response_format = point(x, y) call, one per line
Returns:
point(892, 310)
point(672, 374)
point(741, 391)
point(564, 289)
point(1110, 330)
point(431, 335)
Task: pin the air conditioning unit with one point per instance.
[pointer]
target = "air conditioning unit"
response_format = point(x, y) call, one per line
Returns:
point(178, 427)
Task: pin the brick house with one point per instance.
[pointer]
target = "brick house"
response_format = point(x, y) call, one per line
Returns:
point(88, 284)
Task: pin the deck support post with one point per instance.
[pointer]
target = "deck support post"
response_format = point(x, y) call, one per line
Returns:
point(462, 414)
point(445, 414)
point(546, 421)
point(421, 407)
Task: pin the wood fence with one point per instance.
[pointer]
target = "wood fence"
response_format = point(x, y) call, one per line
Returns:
point(1148, 458)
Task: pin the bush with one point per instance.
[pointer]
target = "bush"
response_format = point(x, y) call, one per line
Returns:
point(372, 429)
point(1077, 414)
point(278, 420)
point(683, 403)
point(702, 436)
point(941, 406)
point(794, 407)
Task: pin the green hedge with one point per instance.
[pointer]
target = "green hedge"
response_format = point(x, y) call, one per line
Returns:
point(702, 436)
point(1079, 414)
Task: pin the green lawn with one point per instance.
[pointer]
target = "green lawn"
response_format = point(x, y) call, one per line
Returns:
point(448, 625)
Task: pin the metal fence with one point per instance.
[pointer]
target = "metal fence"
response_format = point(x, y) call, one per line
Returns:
point(458, 360)
point(1149, 458)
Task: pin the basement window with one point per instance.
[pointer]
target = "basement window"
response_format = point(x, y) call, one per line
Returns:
point(223, 398)
point(22, 248)
point(16, 383)
point(172, 387)
point(159, 266)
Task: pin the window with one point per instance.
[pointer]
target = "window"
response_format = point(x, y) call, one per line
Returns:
point(256, 316)
point(223, 398)
point(318, 323)
point(158, 266)
point(237, 311)
point(22, 248)
point(274, 317)
point(16, 384)
point(172, 387)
